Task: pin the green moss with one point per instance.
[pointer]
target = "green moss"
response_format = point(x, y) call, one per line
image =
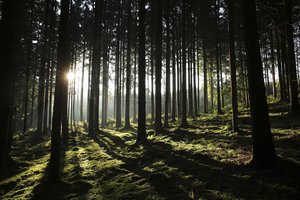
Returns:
point(204, 161)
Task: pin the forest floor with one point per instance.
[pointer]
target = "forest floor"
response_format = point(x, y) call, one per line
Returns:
point(205, 161)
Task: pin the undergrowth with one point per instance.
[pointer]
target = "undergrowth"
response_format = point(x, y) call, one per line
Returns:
point(205, 161)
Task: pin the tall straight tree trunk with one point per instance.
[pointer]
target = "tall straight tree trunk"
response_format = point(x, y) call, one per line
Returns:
point(173, 70)
point(283, 48)
point(134, 83)
point(219, 109)
point(7, 37)
point(211, 87)
point(167, 99)
point(28, 63)
point(273, 64)
point(128, 67)
point(42, 70)
point(62, 69)
point(141, 137)
point(221, 76)
point(292, 71)
point(280, 74)
point(94, 99)
point(89, 81)
point(232, 66)
point(205, 96)
point(82, 81)
point(179, 86)
point(189, 53)
point(152, 63)
point(118, 74)
point(157, 9)
point(46, 100)
point(263, 148)
point(194, 63)
point(184, 99)
point(198, 79)
point(105, 80)
point(33, 98)
point(53, 62)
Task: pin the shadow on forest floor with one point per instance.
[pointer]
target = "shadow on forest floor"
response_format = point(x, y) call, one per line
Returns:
point(204, 161)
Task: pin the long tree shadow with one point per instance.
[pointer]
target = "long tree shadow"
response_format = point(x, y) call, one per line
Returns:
point(223, 178)
point(73, 187)
point(162, 183)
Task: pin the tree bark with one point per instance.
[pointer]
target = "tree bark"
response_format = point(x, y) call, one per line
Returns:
point(263, 148)
point(167, 99)
point(94, 99)
point(128, 67)
point(157, 9)
point(141, 137)
point(62, 69)
point(183, 84)
point(232, 67)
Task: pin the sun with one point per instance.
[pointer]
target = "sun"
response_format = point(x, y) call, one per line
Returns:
point(70, 76)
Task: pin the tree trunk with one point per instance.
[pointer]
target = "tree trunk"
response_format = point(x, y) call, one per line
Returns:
point(273, 65)
point(232, 66)
point(118, 74)
point(82, 82)
point(173, 71)
point(94, 99)
point(205, 96)
point(141, 137)
point(167, 99)
point(42, 70)
point(291, 65)
point(7, 38)
point(157, 9)
point(28, 63)
point(134, 84)
point(263, 148)
point(62, 69)
point(184, 99)
point(219, 110)
point(128, 67)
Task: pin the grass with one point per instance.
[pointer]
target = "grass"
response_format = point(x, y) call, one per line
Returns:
point(205, 161)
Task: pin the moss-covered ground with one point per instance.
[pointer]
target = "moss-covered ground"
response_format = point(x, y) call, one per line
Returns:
point(205, 161)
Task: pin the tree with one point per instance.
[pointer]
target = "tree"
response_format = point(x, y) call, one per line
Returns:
point(141, 137)
point(157, 12)
point(263, 149)
point(117, 66)
point(217, 5)
point(292, 71)
point(8, 66)
point(168, 55)
point(94, 98)
point(128, 67)
point(184, 98)
point(61, 71)
point(232, 66)
point(42, 71)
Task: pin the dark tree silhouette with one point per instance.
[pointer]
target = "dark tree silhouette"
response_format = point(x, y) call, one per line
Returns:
point(141, 137)
point(8, 66)
point(232, 66)
point(128, 67)
point(263, 148)
point(157, 13)
point(184, 98)
point(168, 55)
point(61, 71)
point(94, 96)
